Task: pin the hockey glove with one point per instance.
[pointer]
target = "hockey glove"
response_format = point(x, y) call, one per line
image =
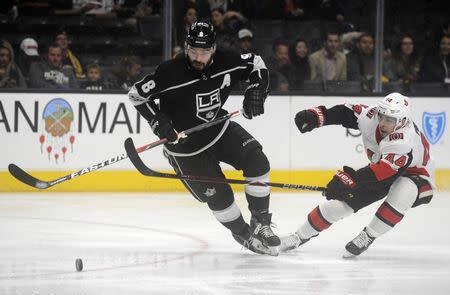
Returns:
point(307, 120)
point(342, 185)
point(162, 127)
point(254, 99)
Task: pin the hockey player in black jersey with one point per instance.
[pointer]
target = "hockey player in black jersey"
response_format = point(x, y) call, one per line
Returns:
point(192, 90)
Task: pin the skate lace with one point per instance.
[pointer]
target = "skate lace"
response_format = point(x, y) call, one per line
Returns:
point(264, 230)
point(362, 240)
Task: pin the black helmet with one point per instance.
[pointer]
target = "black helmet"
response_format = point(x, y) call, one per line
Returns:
point(202, 35)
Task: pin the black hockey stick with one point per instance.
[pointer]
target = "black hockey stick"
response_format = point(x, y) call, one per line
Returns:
point(30, 180)
point(145, 170)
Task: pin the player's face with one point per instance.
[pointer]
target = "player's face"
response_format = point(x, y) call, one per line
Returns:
point(386, 124)
point(199, 57)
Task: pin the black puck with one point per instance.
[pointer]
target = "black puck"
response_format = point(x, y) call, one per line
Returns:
point(79, 264)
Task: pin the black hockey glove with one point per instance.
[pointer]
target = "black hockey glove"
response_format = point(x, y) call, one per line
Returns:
point(307, 120)
point(162, 127)
point(254, 99)
point(342, 185)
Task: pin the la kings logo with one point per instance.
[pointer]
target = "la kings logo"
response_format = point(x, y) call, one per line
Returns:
point(208, 105)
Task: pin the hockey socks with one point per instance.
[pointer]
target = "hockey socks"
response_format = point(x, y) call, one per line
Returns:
point(322, 217)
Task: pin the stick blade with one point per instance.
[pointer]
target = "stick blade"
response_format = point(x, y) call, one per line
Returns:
point(137, 162)
point(26, 178)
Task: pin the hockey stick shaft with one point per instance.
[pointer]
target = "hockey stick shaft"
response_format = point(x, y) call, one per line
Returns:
point(30, 180)
point(145, 170)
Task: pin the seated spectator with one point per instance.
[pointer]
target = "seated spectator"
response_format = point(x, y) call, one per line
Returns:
point(225, 36)
point(177, 50)
point(279, 65)
point(361, 62)
point(28, 54)
point(50, 73)
point(298, 53)
point(436, 68)
point(245, 37)
point(328, 63)
point(68, 58)
point(404, 65)
point(94, 79)
point(189, 17)
point(10, 74)
point(127, 72)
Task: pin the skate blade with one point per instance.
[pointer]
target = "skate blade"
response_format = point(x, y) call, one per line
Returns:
point(272, 251)
point(348, 255)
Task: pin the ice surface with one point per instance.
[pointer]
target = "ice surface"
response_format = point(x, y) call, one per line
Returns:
point(171, 244)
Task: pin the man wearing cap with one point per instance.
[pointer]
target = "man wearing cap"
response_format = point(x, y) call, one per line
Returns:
point(245, 41)
point(27, 55)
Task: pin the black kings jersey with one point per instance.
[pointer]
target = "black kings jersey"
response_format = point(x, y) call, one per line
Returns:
point(189, 97)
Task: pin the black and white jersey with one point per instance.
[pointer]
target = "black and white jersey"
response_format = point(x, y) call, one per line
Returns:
point(189, 97)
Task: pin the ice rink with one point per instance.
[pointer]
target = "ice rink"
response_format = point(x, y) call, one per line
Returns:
point(171, 244)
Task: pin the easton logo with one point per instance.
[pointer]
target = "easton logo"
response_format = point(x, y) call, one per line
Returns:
point(433, 125)
point(208, 105)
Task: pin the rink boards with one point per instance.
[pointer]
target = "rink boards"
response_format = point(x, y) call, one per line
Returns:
point(51, 135)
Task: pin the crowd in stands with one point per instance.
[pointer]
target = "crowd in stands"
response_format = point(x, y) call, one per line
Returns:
point(304, 43)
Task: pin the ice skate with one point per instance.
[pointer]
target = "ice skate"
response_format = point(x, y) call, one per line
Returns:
point(291, 242)
point(260, 226)
point(250, 241)
point(358, 245)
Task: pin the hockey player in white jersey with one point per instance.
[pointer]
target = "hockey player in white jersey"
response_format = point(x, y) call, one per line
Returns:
point(400, 169)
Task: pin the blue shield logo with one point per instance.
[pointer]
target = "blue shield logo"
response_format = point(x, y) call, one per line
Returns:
point(433, 125)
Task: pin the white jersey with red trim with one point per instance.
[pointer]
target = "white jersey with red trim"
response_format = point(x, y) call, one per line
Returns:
point(392, 152)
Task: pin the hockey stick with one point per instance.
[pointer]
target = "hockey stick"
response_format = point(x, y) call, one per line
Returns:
point(145, 170)
point(30, 180)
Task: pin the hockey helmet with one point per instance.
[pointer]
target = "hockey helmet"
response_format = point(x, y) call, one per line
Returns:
point(201, 35)
point(397, 107)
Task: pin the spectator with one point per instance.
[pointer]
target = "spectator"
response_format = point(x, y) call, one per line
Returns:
point(279, 65)
point(50, 73)
point(328, 63)
point(225, 33)
point(28, 54)
point(10, 74)
point(127, 72)
point(189, 17)
point(361, 62)
point(176, 51)
point(436, 68)
point(68, 58)
point(94, 79)
point(298, 54)
point(245, 37)
point(404, 65)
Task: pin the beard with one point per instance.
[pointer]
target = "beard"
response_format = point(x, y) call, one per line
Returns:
point(198, 65)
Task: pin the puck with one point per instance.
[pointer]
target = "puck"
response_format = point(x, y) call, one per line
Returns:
point(79, 264)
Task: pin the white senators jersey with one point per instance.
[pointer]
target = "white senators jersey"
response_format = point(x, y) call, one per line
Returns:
point(389, 154)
